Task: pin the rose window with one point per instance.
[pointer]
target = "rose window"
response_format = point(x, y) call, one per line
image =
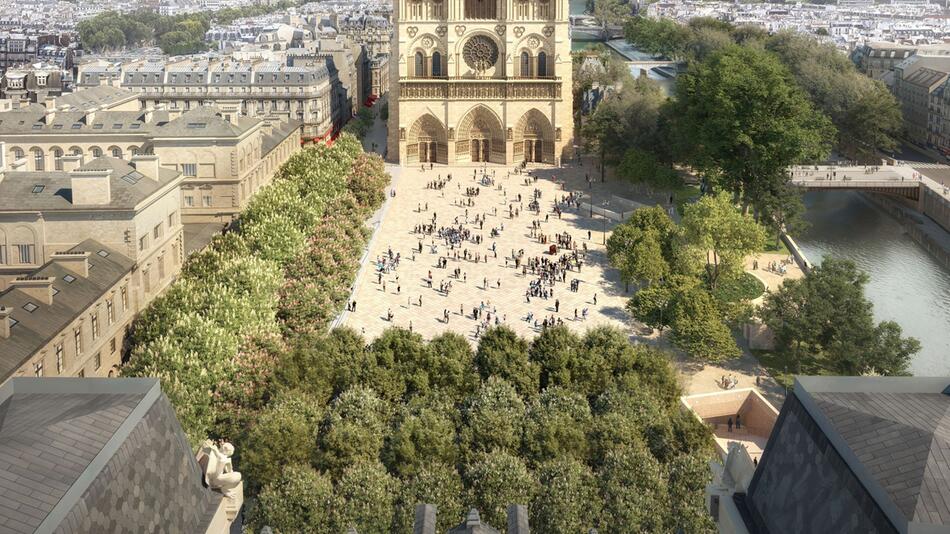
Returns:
point(480, 53)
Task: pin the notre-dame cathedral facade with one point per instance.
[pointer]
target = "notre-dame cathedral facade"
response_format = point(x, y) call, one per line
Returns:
point(480, 81)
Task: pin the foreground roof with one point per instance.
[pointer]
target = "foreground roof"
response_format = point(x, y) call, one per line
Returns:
point(894, 434)
point(96, 455)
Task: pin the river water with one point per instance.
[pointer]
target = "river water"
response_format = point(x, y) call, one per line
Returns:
point(906, 284)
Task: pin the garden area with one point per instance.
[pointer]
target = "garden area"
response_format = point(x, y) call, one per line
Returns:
point(333, 430)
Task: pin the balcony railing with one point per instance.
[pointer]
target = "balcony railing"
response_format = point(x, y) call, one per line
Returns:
point(468, 89)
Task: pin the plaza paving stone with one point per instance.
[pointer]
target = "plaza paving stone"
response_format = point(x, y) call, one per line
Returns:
point(396, 232)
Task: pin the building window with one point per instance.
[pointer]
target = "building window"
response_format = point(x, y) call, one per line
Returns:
point(94, 319)
point(206, 201)
point(189, 169)
point(419, 65)
point(77, 337)
point(38, 368)
point(143, 242)
point(58, 159)
point(161, 267)
point(112, 346)
point(26, 253)
point(157, 232)
point(525, 65)
point(171, 219)
point(116, 152)
point(59, 358)
point(39, 161)
point(542, 64)
point(436, 64)
point(97, 360)
point(146, 280)
point(125, 298)
point(110, 311)
point(189, 201)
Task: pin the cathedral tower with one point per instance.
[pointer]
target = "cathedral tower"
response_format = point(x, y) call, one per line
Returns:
point(480, 81)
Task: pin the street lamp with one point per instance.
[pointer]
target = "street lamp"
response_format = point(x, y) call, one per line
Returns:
point(606, 203)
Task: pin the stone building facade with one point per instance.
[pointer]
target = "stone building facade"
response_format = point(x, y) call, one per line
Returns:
point(480, 81)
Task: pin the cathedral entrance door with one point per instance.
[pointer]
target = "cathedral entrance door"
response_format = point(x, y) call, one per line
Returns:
point(424, 152)
point(481, 150)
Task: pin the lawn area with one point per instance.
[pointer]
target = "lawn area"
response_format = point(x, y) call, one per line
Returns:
point(684, 195)
point(774, 245)
point(744, 287)
point(776, 367)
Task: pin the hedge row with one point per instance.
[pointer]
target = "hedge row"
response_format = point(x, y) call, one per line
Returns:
point(213, 337)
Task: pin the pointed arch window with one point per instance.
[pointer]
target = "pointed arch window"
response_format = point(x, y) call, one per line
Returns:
point(437, 64)
point(420, 65)
point(525, 65)
point(542, 64)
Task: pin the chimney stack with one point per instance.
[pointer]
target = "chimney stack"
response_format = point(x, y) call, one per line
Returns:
point(50, 104)
point(91, 187)
point(39, 288)
point(74, 262)
point(147, 164)
point(71, 162)
point(5, 322)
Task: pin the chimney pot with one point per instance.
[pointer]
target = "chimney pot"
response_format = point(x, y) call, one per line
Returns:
point(5, 322)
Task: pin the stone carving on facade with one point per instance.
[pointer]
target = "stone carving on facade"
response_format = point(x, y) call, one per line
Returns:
point(518, 31)
point(441, 31)
point(427, 42)
point(533, 42)
point(451, 134)
point(460, 30)
point(219, 471)
point(548, 31)
point(402, 134)
point(480, 53)
point(411, 31)
point(510, 135)
point(500, 30)
point(557, 134)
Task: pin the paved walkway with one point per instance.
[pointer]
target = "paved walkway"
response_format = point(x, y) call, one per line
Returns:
point(491, 284)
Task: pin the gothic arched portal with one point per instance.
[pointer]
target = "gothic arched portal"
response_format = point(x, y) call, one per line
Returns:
point(426, 141)
point(480, 137)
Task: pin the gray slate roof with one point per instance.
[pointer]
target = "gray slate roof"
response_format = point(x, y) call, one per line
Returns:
point(278, 134)
point(33, 121)
point(16, 187)
point(205, 121)
point(34, 330)
point(899, 431)
point(96, 455)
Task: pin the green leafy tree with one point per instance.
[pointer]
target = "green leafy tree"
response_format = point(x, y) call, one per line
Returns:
point(407, 359)
point(662, 37)
point(422, 434)
point(299, 500)
point(368, 494)
point(687, 477)
point(823, 324)
point(555, 351)
point(633, 490)
point(603, 131)
point(353, 429)
point(556, 426)
point(496, 479)
point(325, 365)
point(746, 122)
point(611, 12)
point(719, 237)
point(493, 418)
point(567, 501)
point(503, 354)
point(698, 328)
point(642, 247)
point(453, 372)
point(434, 483)
point(284, 433)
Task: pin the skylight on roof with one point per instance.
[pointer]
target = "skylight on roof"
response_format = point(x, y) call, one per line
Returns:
point(13, 322)
point(37, 126)
point(135, 126)
point(133, 177)
point(69, 278)
point(38, 188)
point(117, 126)
point(97, 126)
point(30, 307)
point(57, 126)
point(55, 292)
point(77, 126)
point(196, 125)
point(103, 253)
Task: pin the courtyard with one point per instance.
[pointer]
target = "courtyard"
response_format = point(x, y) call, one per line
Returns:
point(488, 212)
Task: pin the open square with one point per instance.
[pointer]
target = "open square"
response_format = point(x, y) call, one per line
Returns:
point(486, 281)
